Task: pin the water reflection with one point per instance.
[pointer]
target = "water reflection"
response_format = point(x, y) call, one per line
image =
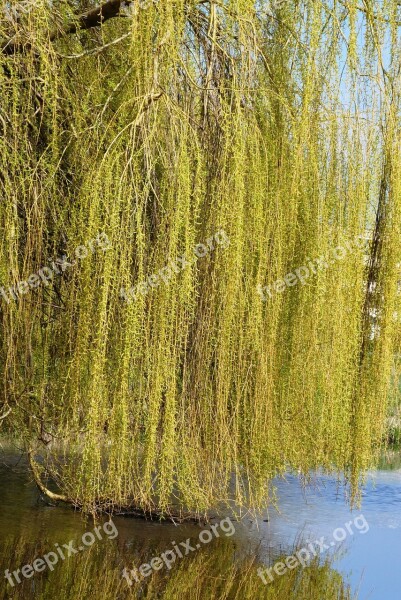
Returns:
point(212, 573)
point(221, 569)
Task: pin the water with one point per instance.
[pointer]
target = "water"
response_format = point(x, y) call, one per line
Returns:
point(369, 557)
point(372, 559)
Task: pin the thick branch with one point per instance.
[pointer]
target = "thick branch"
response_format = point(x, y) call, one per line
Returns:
point(4, 415)
point(41, 486)
point(94, 18)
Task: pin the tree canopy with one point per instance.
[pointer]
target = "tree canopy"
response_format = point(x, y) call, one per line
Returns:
point(215, 187)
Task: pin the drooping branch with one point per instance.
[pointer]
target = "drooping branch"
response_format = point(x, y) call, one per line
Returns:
point(93, 18)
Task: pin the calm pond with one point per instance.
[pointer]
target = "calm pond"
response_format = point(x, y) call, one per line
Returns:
point(369, 558)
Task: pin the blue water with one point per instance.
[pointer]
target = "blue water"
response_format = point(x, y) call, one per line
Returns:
point(371, 556)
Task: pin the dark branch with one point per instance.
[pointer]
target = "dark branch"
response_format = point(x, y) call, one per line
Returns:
point(94, 18)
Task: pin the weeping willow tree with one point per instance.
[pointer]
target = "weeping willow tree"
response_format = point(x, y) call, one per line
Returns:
point(167, 128)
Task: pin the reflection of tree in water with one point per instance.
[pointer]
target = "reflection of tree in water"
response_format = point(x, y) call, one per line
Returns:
point(212, 573)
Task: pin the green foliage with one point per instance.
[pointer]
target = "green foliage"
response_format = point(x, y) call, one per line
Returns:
point(204, 116)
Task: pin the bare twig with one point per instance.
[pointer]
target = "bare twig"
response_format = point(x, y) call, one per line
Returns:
point(96, 50)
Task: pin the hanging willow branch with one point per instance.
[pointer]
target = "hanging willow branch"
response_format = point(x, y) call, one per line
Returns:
point(207, 348)
point(175, 516)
